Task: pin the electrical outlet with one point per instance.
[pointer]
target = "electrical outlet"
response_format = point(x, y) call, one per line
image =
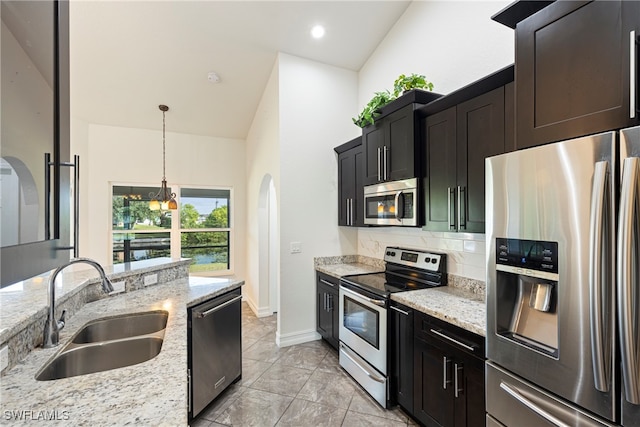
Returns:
point(4, 357)
point(296, 247)
point(118, 287)
point(151, 279)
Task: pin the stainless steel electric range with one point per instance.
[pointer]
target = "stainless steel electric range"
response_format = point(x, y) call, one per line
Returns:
point(364, 300)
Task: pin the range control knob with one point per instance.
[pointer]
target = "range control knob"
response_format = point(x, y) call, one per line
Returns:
point(434, 260)
point(427, 259)
point(388, 253)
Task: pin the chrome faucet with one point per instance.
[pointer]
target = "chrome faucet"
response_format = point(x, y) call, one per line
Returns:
point(52, 327)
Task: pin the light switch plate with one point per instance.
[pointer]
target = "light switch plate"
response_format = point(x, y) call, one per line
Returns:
point(296, 247)
point(4, 357)
point(151, 279)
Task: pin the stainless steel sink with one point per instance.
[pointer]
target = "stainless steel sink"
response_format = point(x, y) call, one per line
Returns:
point(87, 359)
point(118, 327)
point(109, 343)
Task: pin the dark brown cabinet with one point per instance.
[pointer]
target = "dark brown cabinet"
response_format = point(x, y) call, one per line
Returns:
point(390, 147)
point(350, 187)
point(448, 374)
point(401, 355)
point(327, 308)
point(575, 64)
point(457, 141)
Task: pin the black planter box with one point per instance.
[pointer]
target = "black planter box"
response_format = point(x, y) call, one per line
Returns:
point(415, 96)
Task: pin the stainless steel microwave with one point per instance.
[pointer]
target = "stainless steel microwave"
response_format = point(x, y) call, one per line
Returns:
point(392, 203)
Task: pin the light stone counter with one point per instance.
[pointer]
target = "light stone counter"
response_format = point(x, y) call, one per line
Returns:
point(457, 306)
point(347, 265)
point(462, 303)
point(151, 393)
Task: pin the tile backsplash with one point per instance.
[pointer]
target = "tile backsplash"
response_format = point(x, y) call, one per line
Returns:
point(466, 251)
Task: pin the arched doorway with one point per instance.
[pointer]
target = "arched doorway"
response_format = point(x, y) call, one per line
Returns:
point(268, 245)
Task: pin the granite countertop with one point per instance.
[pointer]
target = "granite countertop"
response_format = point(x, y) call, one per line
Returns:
point(150, 393)
point(347, 265)
point(457, 306)
point(462, 303)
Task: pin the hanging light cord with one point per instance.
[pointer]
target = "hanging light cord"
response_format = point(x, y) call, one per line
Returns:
point(163, 147)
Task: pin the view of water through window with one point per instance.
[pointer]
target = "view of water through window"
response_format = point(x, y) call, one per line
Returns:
point(204, 227)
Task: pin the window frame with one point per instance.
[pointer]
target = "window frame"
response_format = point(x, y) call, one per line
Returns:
point(176, 230)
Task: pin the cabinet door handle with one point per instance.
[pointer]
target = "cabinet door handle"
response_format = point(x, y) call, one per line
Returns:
point(330, 298)
point(445, 372)
point(351, 211)
point(384, 157)
point(452, 224)
point(461, 214)
point(457, 375)
point(632, 74)
point(379, 160)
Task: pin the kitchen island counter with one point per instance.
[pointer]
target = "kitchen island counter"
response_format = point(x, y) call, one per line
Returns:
point(150, 393)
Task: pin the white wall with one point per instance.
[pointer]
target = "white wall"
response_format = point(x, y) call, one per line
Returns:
point(262, 158)
point(134, 156)
point(315, 104)
point(453, 43)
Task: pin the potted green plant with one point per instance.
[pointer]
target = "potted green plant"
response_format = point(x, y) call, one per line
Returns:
point(406, 83)
point(371, 110)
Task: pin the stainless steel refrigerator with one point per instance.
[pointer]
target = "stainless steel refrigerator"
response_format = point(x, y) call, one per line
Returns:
point(563, 291)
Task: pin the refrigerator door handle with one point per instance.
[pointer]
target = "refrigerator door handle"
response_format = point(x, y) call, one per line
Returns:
point(627, 271)
point(599, 278)
point(512, 391)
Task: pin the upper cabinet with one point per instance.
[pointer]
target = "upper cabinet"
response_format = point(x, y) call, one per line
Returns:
point(456, 142)
point(390, 147)
point(34, 208)
point(350, 187)
point(577, 72)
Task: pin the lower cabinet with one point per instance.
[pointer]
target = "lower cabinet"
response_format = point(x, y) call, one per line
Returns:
point(448, 374)
point(401, 355)
point(327, 322)
point(437, 369)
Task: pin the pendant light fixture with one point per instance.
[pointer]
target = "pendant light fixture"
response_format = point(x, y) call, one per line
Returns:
point(163, 200)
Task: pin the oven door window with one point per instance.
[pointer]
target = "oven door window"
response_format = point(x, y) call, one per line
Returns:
point(362, 321)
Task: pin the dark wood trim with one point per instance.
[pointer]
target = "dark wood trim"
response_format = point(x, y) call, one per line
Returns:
point(472, 90)
point(519, 11)
point(348, 145)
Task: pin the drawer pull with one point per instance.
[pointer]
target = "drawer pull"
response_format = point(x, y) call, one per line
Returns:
point(399, 311)
point(532, 406)
point(328, 283)
point(453, 340)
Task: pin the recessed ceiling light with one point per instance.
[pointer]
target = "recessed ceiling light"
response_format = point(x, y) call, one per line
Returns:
point(317, 32)
point(213, 77)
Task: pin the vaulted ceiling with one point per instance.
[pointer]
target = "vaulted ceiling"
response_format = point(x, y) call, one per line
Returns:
point(127, 57)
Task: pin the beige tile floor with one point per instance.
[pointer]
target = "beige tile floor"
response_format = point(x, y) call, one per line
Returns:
point(301, 385)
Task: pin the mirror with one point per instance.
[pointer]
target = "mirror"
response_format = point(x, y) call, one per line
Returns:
point(27, 115)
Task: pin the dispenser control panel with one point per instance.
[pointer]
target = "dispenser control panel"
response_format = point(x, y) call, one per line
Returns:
point(527, 254)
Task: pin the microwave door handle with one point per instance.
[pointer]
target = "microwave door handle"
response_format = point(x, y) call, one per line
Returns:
point(627, 262)
point(599, 278)
point(399, 206)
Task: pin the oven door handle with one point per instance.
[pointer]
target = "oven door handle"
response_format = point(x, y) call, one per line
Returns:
point(345, 351)
point(377, 302)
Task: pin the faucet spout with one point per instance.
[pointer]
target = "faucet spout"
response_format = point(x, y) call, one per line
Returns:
point(52, 327)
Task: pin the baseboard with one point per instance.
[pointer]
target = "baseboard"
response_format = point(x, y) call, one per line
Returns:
point(296, 338)
point(259, 312)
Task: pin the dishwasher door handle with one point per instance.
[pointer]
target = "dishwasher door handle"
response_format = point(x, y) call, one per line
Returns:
point(203, 314)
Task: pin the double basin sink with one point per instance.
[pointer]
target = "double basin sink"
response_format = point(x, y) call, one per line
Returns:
point(109, 343)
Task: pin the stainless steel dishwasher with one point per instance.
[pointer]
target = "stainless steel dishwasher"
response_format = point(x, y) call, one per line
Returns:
point(215, 349)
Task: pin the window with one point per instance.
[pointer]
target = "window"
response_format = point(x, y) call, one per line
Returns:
point(200, 229)
point(204, 228)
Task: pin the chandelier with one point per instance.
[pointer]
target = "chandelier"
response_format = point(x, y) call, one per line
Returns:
point(163, 200)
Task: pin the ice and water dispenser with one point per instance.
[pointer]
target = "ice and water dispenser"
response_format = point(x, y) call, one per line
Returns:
point(527, 293)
